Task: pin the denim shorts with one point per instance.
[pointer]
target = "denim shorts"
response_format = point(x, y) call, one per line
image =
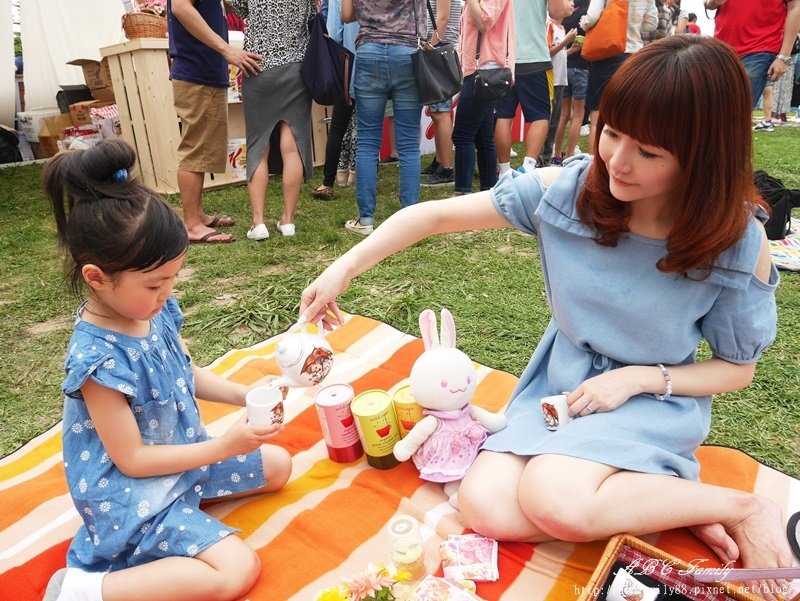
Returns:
point(532, 92)
point(441, 107)
point(577, 83)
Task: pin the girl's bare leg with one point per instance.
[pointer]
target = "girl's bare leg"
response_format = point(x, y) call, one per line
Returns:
point(224, 571)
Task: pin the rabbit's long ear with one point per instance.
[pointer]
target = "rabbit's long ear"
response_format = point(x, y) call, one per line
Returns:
point(448, 330)
point(427, 327)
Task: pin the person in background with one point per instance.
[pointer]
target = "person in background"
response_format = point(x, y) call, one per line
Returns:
point(493, 21)
point(782, 93)
point(558, 39)
point(573, 105)
point(642, 16)
point(691, 25)
point(277, 126)
point(200, 53)
point(386, 39)
point(341, 144)
point(762, 33)
point(440, 171)
point(137, 457)
point(533, 84)
point(673, 213)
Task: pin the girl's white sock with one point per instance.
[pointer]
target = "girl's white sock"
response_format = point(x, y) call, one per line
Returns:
point(79, 585)
point(529, 164)
point(504, 167)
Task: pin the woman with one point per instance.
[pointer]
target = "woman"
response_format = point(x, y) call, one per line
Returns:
point(340, 147)
point(277, 106)
point(493, 22)
point(386, 40)
point(647, 248)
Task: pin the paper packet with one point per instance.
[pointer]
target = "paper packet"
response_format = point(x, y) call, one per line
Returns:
point(469, 557)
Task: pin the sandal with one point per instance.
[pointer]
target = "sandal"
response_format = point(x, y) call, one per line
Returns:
point(214, 237)
point(220, 221)
point(324, 193)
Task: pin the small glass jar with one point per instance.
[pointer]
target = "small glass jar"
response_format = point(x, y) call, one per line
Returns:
point(408, 552)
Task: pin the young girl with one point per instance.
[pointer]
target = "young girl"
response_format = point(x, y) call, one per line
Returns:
point(137, 457)
point(647, 248)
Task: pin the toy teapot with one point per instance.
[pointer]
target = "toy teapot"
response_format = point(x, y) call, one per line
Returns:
point(304, 358)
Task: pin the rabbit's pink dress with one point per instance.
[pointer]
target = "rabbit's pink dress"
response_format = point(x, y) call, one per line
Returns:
point(452, 447)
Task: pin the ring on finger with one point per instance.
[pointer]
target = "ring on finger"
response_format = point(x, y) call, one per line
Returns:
point(588, 410)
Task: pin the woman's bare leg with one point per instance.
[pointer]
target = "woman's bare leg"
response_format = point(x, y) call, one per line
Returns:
point(257, 189)
point(292, 173)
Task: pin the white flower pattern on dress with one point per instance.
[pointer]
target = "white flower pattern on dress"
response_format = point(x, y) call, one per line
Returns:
point(192, 550)
point(133, 354)
point(105, 506)
point(163, 545)
point(143, 508)
point(76, 428)
point(85, 455)
point(235, 477)
point(102, 483)
point(109, 364)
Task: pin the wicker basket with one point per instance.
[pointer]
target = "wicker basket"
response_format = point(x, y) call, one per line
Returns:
point(144, 25)
point(612, 551)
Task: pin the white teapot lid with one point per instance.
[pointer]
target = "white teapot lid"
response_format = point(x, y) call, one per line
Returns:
point(290, 350)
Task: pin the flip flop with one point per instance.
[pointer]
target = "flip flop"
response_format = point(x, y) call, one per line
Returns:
point(220, 221)
point(208, 238)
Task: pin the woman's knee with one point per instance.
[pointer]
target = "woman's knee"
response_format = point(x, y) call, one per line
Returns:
point(555, 504)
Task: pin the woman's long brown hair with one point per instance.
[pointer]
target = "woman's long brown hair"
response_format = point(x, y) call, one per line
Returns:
point(689, 95)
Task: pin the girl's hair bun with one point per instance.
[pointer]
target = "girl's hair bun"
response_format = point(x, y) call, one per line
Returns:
point(102, 163)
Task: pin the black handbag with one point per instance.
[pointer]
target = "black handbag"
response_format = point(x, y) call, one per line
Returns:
point(437, 69)
point(326, 67)
point(492, 84)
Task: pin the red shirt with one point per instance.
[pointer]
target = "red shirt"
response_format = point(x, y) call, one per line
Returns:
point(751, 26)
point(693, 28)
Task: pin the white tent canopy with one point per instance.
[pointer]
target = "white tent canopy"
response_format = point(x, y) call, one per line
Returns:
point(57, 31)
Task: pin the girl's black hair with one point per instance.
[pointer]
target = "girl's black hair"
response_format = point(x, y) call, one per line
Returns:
point(107, 219)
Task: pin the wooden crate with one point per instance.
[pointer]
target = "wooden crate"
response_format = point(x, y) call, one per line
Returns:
point(143, 92)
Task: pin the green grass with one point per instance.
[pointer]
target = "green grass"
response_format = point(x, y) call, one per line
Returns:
point(238, 294)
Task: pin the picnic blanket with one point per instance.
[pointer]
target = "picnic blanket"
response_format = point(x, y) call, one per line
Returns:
point(329, 521)
point(786, 253)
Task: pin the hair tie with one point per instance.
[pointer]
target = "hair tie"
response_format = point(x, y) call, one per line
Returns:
point(120, 175)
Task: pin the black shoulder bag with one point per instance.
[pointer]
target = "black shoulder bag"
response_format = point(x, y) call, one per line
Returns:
point(491, 84)
point(437, 69)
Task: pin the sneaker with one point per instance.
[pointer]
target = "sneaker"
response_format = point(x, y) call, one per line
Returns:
point(763, 126)
point(513, 154)
point(287, 229)
point(355, 226)
point(430, 169)
point(442, 177)
point(577, 150)
point(259, 232)
point(585, 130)
point(557, 161)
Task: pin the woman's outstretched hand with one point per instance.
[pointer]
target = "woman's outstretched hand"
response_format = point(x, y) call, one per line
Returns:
point(318, 300)
point(604, 392)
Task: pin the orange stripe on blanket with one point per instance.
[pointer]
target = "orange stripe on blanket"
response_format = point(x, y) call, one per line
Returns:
point(392, 371)
point(20, 500)
point(31, 458)
point(319, 540)
point(494, 391)
point(356, 328)
point(28, 581)
point(727, 467)
point(511, 561)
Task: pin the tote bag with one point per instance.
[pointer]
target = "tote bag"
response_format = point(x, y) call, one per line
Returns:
point(436, 69)
point(609, 35)
point(326, 67)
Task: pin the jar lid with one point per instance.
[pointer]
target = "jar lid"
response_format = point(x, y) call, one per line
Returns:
point(289, 351)
point(403, 526)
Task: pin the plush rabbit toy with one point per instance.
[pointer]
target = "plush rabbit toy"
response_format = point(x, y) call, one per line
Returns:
point(445, 442)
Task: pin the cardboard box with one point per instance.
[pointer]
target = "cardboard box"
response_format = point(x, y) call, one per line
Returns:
point(30, 122)
point(80, 136)
point(97, 76)
point(80, 111)
point(52, 131)
point(72, 94)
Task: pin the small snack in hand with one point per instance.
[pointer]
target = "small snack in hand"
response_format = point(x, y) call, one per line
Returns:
point(579, 39)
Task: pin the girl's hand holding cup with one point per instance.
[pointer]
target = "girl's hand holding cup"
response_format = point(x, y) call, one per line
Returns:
point(242, 437)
